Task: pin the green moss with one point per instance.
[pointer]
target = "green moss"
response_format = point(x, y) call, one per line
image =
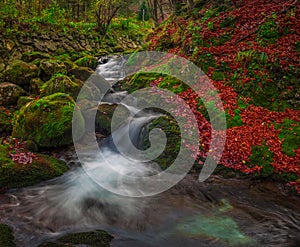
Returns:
point(263, 157)
point(235, 120)
point(205, 61)
point(55, 66)
point(228, 22)
point(218, 76)
point(290, 135)
point(87, 61)
point(96, 238)
point(172, 84)
point(169, 126)
point(268, 32)
point(14, 175)
point(6, 236)
point(48, 121)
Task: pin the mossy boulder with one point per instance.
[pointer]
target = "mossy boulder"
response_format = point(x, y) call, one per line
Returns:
point(20, 72)
point(87, 61)
point(81, 73)
point(6, 118)
point(6, 236)
point(96, 238)
point(10, 93)
point(15, 175)
point(61, 84)
point(170, 127)
point(52, 67)
point(48, 121)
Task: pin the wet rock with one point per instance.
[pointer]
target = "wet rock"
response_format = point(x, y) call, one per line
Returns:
point(20, 72)
point(48, 121)
point(10, 93)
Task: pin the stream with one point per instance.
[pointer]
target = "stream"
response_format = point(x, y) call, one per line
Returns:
point(217, 212)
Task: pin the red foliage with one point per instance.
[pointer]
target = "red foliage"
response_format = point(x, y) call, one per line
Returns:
point(18, 152)
point(258, 122)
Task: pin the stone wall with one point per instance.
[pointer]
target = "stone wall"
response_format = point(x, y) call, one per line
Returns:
point(12, 48)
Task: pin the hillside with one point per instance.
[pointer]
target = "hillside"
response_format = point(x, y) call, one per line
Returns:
point(251, 51)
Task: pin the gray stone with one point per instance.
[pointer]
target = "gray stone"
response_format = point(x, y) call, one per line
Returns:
point(10, 93)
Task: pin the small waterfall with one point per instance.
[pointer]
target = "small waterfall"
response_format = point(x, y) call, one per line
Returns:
point(75, 200)
point(111, 68)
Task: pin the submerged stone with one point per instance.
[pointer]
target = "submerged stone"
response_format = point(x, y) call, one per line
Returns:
point(220, 228)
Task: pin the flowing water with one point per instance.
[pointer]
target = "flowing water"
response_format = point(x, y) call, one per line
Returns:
point(218, 212)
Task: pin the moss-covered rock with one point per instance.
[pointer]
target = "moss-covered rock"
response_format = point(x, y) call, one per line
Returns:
point(14, 175)
point(51, 67)
point(87, 61)
point(48, 121)
point(6, 236)
point(61, 84)
point(172, 131)
point(10, 93)
point(81, 73)
point(96, 238)
point(20, 72)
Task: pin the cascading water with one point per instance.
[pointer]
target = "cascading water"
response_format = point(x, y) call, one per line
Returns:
point(219, 212)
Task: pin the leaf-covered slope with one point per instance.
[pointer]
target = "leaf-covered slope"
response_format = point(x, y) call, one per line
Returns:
point(251, 51)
